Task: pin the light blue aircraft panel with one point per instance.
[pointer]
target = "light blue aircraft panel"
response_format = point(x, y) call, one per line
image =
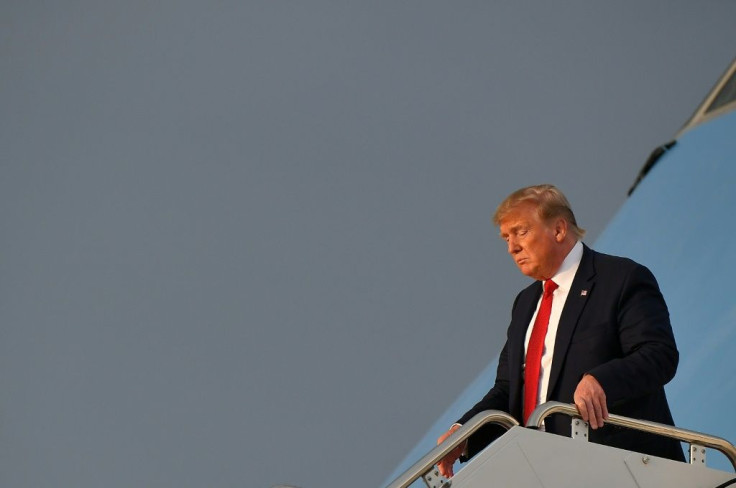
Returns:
point(681, 223)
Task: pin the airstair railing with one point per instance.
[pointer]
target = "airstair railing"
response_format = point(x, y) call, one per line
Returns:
point(426, 463)
point(697, 440)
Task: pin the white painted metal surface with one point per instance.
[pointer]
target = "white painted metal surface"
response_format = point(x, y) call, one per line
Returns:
point(526, 458)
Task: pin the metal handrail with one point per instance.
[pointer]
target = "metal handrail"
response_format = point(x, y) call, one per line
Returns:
point(432, 457)
point(684, 435)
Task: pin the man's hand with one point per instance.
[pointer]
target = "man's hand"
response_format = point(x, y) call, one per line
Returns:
point(591, 401)
point(445, 464)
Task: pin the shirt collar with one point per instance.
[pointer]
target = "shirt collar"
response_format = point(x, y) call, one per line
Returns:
point(569, 267)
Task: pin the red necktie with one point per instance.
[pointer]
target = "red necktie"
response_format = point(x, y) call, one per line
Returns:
point(534, 350)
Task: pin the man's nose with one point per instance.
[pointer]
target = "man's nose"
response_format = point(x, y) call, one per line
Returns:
point(513, 246)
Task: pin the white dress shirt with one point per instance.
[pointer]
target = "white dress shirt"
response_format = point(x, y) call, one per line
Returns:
point(563, 278)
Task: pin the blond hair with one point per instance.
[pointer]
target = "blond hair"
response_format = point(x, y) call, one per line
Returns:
point(550, 202)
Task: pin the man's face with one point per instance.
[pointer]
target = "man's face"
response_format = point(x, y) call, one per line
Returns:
point(533, 244)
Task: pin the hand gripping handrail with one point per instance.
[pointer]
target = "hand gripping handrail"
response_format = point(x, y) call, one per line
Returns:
point(432, 457)
point(684, 435)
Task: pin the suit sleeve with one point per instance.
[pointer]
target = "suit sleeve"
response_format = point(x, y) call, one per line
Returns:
point(497, 398)
point(649, 354)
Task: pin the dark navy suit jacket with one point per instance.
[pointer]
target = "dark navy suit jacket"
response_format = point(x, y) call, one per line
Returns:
point(614, 326)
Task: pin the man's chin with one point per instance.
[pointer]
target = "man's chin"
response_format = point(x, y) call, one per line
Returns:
point(527, 270)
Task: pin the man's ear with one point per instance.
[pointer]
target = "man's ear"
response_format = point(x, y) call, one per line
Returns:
point(560, 230)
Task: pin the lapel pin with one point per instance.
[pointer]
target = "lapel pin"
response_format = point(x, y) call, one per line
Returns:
point(584, 293)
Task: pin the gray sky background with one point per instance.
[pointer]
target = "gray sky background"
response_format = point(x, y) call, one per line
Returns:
point(248, 243)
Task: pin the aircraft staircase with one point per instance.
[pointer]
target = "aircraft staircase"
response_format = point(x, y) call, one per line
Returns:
point(529, 458)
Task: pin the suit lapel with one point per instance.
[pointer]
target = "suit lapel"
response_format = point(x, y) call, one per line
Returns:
point(523, 311)
point(526, 307)
point(582, 287)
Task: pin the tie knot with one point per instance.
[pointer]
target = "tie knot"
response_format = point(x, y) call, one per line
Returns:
point(549, 287)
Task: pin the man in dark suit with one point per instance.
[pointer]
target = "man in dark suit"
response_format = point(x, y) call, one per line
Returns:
point(601, 328)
